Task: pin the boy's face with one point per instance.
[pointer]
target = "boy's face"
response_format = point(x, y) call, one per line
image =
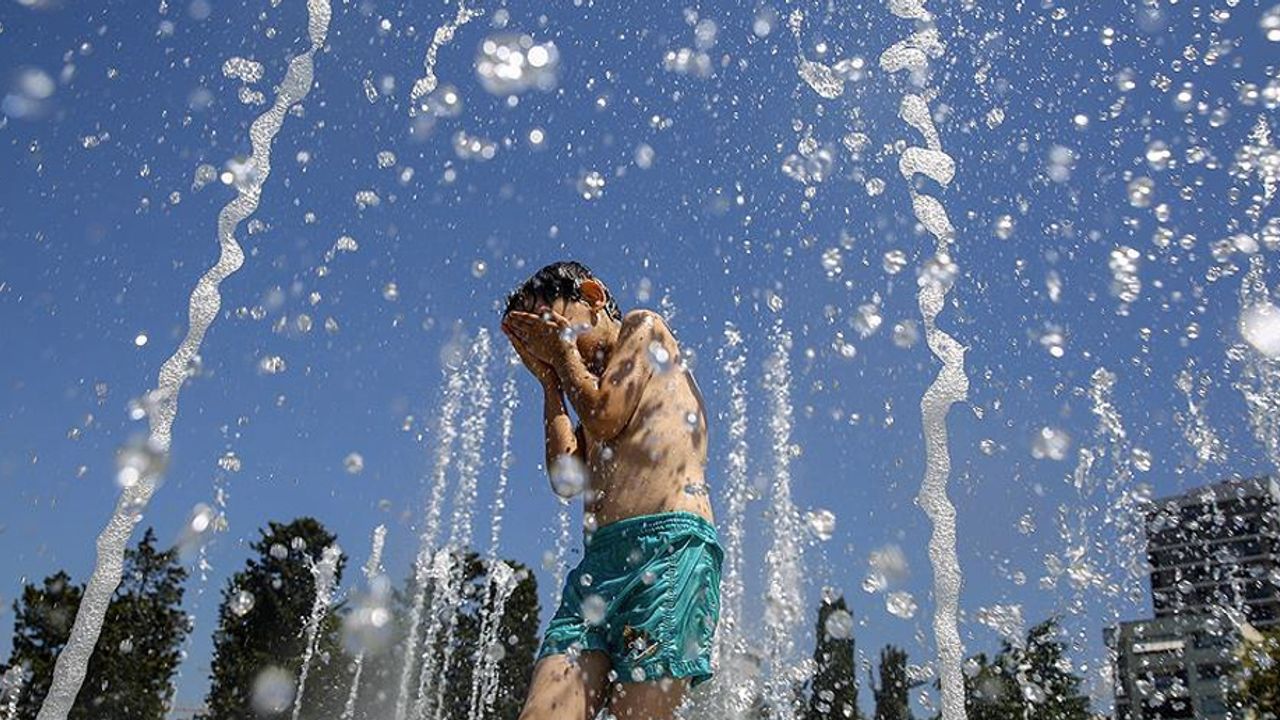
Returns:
point(588, 325)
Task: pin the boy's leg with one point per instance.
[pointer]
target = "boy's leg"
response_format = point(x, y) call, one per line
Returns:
point(657, 700)
point(564, 689)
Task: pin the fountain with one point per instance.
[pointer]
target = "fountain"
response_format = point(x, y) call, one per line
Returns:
point(141, 472)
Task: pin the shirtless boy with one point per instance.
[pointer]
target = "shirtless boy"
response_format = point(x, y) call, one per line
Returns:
point(634, 627)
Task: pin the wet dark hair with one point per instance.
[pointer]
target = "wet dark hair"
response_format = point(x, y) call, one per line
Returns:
point(558, 281)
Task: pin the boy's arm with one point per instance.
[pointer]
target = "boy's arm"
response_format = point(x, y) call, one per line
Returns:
point(561, 437)
point(605, 404)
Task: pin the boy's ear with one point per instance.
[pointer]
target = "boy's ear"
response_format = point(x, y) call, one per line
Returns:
point(592, 292)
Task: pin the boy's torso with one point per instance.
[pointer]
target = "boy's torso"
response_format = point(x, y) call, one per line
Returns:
point(656, 464)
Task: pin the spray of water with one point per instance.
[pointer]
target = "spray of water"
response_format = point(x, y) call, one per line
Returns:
point(426, 84)
point(447, 599)
point(73, 662)
point(784, 562)
point(446, 435)
point(951, 384)
point(559, 560)
point(484, 686)
point(10, 692)
point(736, 687)
point(372, 570)
point(323, 573)
point(501, 581)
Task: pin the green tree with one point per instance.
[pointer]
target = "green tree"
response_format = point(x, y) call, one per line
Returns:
point(262, 627)
point(1259, 676)
point(130, 675)
point(1032, 680)
point(893, 692)
point(833, 691)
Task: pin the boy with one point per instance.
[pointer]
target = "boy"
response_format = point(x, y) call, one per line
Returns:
point(635, 624)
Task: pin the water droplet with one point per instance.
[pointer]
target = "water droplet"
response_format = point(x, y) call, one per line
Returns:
point(590, 185)
point(1004, 227)
point(1141, 190)
point(1050, 444)
point(241, 603)
point(822, 522)
point(1260, 327)
point(901, 604)
point(839, 624)
point(894, 261)
point(272, 691)
point(354, 463)
point(593, 609)
point(568, 476)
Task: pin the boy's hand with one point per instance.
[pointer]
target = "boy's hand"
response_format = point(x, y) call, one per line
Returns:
point(545, 339)
point(543, 372)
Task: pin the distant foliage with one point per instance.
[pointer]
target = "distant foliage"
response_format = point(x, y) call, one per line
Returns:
point(130, 676)
point(833, 691)
point(1033, 681)
point(893, 692)
point(1259, 678)
point(265, 628)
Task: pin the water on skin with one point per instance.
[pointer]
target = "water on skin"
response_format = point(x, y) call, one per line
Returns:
point(951, 384)
point(323, 573)
point(446, 435)
point(372, 569)
point(72, 663)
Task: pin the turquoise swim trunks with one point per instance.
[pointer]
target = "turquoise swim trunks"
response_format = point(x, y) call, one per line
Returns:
point(647, 594)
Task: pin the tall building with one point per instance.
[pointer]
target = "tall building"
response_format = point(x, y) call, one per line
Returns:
point(1214, 554)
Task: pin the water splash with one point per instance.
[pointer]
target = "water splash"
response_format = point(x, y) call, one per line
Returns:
point(446, 435)
point(501, 581)
point(951, 384)
point(447, 599)
point(10, 692)
point(1206, 446)
point(323, 573)
point(427, 84)
point(559, 563)
point(484, 686)
point(736, 688)
point(162, 402)
point(784, 562)
point(372, 571)
point(1257, 375)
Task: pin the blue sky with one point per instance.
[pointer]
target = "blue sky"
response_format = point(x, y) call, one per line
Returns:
point(97, 252)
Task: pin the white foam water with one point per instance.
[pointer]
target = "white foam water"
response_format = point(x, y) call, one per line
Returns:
point(951, 384)
point(323, 574)
point(72, 663)
point(427, 84)
point(372, 569)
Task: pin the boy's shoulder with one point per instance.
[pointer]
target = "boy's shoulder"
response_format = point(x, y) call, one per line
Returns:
point(641, 318)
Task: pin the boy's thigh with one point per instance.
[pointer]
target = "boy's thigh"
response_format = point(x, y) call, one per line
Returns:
point(654, 700)
point(565, 689)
